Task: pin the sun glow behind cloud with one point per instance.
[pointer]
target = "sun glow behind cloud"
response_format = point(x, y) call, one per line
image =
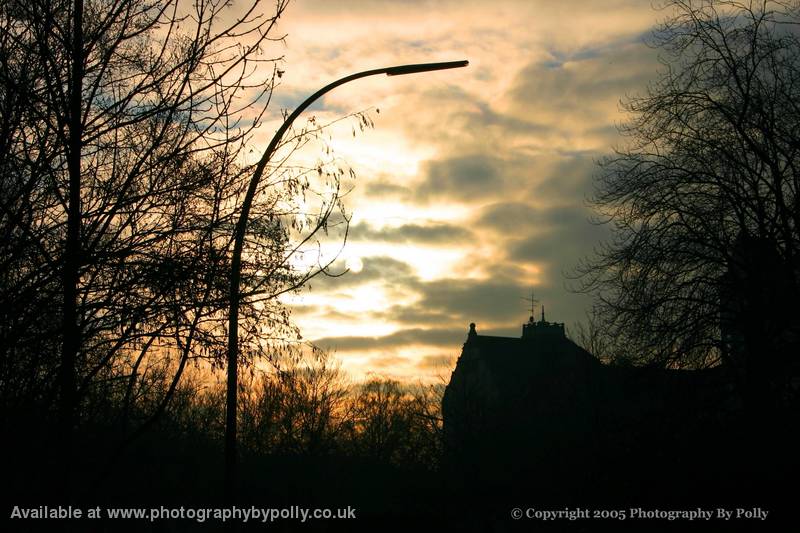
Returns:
point(471, 188)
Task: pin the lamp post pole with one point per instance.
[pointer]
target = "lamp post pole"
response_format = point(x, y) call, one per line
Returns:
point(236, 260)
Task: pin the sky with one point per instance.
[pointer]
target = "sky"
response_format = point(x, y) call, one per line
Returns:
point(472, 188)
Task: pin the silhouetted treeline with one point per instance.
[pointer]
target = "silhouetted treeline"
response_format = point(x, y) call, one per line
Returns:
point(305, 430)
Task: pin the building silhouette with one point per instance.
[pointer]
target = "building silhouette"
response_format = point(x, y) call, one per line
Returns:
point(540, 414)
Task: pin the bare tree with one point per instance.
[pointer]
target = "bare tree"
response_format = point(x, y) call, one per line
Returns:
point(397, 423)
point(124, 130)
point(298, 409)
point(703, 199)
point(592, 335)
point(427, 434)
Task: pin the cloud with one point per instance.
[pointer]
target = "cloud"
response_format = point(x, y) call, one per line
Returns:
point(463, 178)
point(575, 92)
point(573, 236)
point(384, 189)
point(445, 337)
point(413, 314)
point(431, 234)
point(388, 361)
point(569, 179)
point(436, 361)
point(507, 217)
point(468, 301)
point(481, 115)
point(374, 269)
point(516, 219)
point(484, 170)
point(476, 178)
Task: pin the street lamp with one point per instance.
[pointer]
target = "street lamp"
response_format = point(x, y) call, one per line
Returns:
point(238, 243)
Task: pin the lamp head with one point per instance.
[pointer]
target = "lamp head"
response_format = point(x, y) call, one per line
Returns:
point(424, 67)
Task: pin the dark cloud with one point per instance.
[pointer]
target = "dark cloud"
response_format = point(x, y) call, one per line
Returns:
point(554, 240)
point(386, 267)
point(383, 189)
point(409, 314)
point(569, 180)
point(560, 306)
point(495, 307)
point(467, 178)
point(606, 73)
point(479, 116)
point(468, 301)
point(574, 236)
point(565, 217)
point(516, 179)
point(506, 270)
point(507, 217)
point(446, 307)
point(466, 123)
point(453, 303)
point(432, 337)
point(515, 219)
point(435, 233)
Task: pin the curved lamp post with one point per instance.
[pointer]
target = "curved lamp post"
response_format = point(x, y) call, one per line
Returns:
point(236, 260)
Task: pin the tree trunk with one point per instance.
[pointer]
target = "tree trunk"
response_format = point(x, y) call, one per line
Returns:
point(70, 330)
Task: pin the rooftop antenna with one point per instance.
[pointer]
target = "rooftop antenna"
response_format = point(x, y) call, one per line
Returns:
point(533, 302)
